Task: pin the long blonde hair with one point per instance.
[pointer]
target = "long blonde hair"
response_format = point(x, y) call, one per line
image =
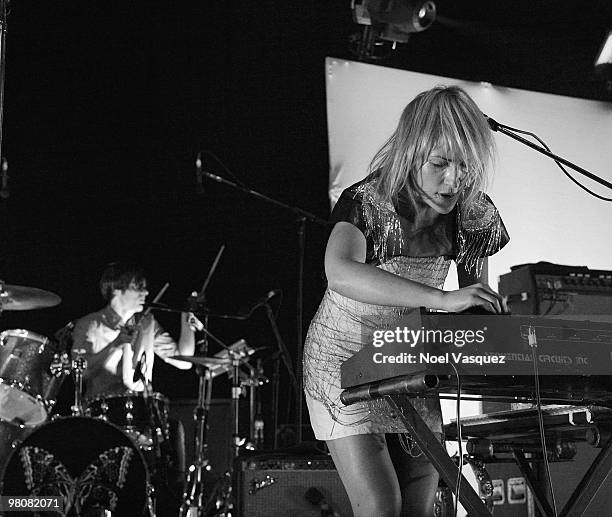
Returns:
point(445, 116)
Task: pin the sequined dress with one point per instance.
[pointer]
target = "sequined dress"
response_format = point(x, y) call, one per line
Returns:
point(393, 244)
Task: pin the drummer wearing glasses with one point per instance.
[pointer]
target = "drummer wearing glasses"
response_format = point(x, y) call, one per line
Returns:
point(119, 344)
point(116, 338)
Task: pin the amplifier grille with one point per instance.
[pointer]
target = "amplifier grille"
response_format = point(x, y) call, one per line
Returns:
point(276, 487)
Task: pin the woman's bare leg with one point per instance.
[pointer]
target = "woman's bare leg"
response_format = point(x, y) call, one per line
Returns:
point(417, 477)
point(368, 475)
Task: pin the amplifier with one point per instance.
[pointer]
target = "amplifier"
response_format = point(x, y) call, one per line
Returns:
point(276, 485)
point(557, 291)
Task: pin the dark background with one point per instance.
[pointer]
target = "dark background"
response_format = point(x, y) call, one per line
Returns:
point(107, 104)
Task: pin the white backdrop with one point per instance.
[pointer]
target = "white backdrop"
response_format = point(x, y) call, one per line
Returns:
point(547, 216)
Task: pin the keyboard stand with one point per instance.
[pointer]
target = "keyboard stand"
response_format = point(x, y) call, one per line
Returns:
point(433, 449)
point(520, 425)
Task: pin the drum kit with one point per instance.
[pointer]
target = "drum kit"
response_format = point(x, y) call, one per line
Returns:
point(108, 457)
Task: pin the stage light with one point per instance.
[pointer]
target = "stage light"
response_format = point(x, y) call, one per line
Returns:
point(389, 20)
point(406, 15)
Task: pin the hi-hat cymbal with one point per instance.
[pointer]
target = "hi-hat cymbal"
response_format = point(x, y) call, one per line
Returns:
point(20, 298)
point(204, 361)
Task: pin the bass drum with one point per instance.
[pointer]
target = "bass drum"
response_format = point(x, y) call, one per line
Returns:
point(478, 478)
point(11, 435)
point(89, 463)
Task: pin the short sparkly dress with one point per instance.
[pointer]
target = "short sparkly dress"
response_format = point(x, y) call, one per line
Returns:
point(393, 244)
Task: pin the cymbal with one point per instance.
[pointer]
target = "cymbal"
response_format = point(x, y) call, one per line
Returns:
point(204, 361)
point(20, 298)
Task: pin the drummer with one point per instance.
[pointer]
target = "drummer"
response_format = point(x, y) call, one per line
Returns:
point(120, 340)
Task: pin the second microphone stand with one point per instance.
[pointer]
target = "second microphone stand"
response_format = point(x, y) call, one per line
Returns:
point(301, 217)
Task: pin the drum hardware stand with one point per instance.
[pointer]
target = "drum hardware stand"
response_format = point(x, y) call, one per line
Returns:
point(60, 367)
point(222, 491)
point(219, 502)
point(78, 366)
point(237, 442)
point(256, 428)
point(157, 435)
point(195, 502)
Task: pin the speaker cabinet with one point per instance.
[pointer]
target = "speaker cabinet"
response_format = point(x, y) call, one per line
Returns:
point(275, 485)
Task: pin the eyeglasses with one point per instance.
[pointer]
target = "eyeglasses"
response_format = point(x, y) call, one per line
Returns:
point(137, 288)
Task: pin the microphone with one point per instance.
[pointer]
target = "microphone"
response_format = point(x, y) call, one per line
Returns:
point(268, 296)
point(4, 190)
point(316, 498)
point(261, 301)
point(199, 181)
point(139, 369)
point(493, 124)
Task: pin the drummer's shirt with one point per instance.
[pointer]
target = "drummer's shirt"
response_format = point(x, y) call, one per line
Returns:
point(99, 330)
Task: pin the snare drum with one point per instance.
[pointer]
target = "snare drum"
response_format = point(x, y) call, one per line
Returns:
point(132, 414)
point(25, 358)
point(90, 464)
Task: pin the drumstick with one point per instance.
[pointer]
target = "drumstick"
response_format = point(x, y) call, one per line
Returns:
point(212, 271)
point(161, 293)
point(157, 297)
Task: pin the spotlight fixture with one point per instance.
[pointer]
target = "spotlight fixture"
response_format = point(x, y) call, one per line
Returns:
point(390, 20)
point(402, 17)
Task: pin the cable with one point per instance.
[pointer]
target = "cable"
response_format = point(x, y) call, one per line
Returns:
point(534, 344)
point(459, 441)
point(536, 137)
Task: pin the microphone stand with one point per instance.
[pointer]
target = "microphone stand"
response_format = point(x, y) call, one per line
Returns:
point(281, 354)
point(301, 217)
point(195, 502)
point(3, 27)
point(496, 126)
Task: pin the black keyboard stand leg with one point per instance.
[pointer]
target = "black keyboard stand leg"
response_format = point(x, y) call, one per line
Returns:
point(437, 454)
point(590, 483)
point(534, 485)
point(583, 494)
